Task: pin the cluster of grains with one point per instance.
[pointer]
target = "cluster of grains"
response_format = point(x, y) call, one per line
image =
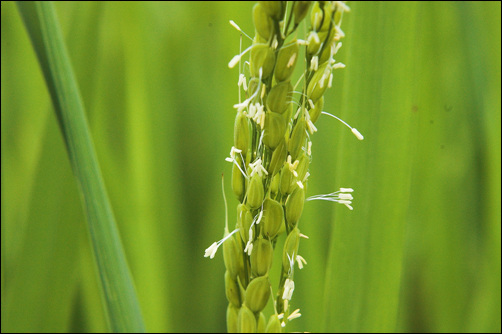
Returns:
point(272, 152)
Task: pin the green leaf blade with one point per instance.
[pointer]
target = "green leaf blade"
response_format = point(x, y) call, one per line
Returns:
point(120, 298)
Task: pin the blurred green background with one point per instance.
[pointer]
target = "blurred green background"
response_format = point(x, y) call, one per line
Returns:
point(419, 253)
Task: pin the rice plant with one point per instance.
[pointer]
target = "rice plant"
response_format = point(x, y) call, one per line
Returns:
point(273, 135)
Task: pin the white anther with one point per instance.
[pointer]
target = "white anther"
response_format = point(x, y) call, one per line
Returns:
point(338, 65)
point(289, 287)
point(235, 25)
point(342, 6)
point(241, 106)
point(249, 247)
point(251, 110)
point(323, 79)
point(258, 168)
point(297, 113)
point(337, 196)
point(211, 250)
point(242, 82)
point(306, 177)
point(260, 215)
point(275, 43)
point(314, 63)
point(337, 47)
point(345, 196)
point(354, 130)
point(311, 103)
point(339, 33)
point(295, 314)
point(291, 61)
point(237, 58)
point(301, 261)
point(357, 134)
point(234, 61)
point(311, 127)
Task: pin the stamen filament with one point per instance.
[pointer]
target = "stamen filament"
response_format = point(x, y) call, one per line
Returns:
point(233, 24)
point(354, 130)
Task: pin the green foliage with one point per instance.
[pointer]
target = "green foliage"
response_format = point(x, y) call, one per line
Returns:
point(421, 250)
point(121, 303)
